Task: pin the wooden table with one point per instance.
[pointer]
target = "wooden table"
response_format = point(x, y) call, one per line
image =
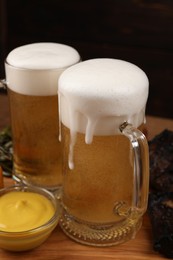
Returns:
point(58, 246)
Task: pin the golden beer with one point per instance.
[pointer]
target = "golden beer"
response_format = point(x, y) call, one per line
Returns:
point(105, 158)
point(102, 178)
point(37, 150)
point(32, 73)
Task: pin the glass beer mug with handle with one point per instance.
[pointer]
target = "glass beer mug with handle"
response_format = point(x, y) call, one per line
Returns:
point(32, 73)
point(105, 155)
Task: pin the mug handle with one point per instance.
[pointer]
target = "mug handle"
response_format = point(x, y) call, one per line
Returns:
point(3, 84)
point(141, 166)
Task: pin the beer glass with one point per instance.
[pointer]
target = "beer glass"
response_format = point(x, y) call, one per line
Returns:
point(105, 155)
point(32, 73)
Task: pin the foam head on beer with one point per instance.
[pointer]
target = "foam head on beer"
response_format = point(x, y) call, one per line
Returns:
point(32, 73)
point(98, 95)
point(31, 68)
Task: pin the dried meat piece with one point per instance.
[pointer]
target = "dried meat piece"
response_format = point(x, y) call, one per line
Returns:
point(160, 204)
point(6, 151)
point(161, 161)
point(160, 208)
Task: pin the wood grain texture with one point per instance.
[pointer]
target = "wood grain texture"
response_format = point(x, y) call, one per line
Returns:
point(58, 246)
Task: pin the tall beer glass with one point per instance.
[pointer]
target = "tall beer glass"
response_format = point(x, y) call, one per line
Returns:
point(32, 73)
point(105, 155)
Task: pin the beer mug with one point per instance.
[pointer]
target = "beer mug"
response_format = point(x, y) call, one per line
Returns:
point(105, 155)
point(32, 73)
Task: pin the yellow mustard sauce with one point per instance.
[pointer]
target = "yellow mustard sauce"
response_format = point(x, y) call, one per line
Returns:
point(22, 211)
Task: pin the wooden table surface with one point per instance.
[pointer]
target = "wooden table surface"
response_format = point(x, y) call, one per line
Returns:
point(58, 246)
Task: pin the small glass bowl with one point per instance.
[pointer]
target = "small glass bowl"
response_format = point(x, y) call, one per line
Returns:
point(29, 239)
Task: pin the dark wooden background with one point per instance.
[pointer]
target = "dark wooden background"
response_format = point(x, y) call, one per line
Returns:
point(139, 31)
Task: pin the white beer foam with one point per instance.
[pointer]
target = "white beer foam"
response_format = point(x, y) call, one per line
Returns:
point(97, 96)
point(34, 69)
point(102, 88)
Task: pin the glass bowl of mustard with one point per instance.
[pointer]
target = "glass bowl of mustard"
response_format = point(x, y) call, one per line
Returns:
point(28, 215)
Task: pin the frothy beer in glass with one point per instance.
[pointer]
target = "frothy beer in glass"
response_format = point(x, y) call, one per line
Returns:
point(101, 204)
point(32, 73)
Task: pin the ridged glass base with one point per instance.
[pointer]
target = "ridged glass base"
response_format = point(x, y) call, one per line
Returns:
point(99, 235)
